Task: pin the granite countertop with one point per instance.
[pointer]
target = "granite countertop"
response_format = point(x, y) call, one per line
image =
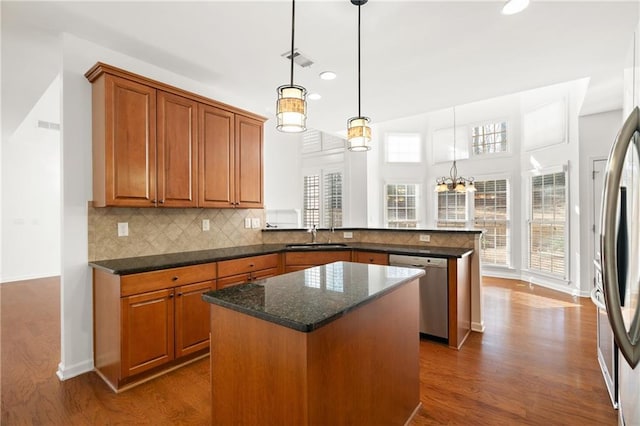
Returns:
point(134, 265)
point(306, 300)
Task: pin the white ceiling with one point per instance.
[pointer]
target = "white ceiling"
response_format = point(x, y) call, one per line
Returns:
point(417, 56)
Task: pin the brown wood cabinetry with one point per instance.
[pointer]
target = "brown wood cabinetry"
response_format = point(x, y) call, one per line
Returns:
point(155, 145)
point(177, 123)
point(298, 260)
point(147, 323)
point(371, 257)
point(247, 269)
point(124, 142)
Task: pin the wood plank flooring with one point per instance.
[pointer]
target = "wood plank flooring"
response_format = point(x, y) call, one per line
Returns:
point(535, 365)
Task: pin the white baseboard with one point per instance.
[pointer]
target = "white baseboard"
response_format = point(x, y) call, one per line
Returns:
point(65, 372)
point(477, 326)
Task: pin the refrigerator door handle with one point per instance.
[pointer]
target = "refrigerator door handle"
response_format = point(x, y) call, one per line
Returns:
point(627, 341)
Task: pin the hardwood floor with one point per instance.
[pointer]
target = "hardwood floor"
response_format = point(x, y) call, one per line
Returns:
point(535, 364)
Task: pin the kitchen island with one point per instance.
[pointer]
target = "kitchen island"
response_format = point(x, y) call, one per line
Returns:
point(332, 344)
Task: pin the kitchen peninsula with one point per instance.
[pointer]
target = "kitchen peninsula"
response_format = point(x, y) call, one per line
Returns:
point(332, 343)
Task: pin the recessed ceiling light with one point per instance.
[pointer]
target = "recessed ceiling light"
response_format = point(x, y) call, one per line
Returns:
point(314, 96)
point(511, 7)
point(328, 75)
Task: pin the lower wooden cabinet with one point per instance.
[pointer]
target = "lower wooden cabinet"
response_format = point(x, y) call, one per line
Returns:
point(370, 257)
point(143, 334)
point(247, 269)
point(298, 260)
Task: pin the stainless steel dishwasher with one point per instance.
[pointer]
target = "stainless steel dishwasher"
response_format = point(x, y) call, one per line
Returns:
point(434, 300)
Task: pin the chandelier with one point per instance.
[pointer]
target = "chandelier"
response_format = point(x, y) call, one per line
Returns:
point(454, 182)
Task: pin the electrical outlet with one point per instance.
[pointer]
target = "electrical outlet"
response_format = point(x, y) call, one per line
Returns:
point(123, 229)
point(255, 222)
point(347, 235)
point(247, 222)
point(425, 238)
point(205, 224)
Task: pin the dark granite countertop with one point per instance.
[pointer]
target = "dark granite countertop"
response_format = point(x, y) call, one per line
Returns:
point(134, 265)
point(429, 230)
point(306, 300)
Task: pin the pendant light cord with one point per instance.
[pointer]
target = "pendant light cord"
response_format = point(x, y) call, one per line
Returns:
point(359, 113)
point(293, 32)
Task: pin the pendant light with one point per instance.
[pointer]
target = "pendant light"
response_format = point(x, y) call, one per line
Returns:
point(454, 182)
point(358, 130)
point(291, 107)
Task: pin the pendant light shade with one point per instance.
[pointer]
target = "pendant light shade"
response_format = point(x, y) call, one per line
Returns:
point(359, 134)
point(291, 109)
point(291, 106)
point(358, 130)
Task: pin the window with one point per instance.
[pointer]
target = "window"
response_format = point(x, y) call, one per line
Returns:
point(547, 224)
point(333, 200)
point(452, 209)
point(491, 213)
point(403, 148)
point(402, 205)
point(322, 199)
point(311, 201)
point(489, 138)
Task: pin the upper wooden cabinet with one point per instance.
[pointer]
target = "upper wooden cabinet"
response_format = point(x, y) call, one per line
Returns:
point(177, 148)
point(157, 145)
point(124, 142)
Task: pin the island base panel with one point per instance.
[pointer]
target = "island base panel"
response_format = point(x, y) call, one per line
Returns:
point(362, 368)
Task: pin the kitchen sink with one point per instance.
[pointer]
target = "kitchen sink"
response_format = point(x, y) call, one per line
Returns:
point(315, 246)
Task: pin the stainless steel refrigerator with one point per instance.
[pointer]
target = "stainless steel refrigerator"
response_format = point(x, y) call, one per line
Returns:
point(620, 261)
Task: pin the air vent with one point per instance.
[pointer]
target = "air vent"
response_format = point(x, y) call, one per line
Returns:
point(48, 125)
point(298, 57)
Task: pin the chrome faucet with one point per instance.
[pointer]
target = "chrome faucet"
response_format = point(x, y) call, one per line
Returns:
point(314, 233)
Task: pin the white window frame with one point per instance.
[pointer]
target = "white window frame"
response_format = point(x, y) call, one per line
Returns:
point(464, 223)
point(490, 154)
point(417, 157)
point(509, 221)
point(528, 221)
point(417, 204)
point(323, 215)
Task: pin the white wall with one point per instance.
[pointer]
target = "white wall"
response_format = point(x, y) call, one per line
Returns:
point(597, 132)
point(282, 166)
point(31, 194)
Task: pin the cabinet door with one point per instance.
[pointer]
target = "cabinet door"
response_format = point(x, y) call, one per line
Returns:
point(249, 186)
point(371, 257)
point(177, 166)
point(216, 157)
point(147, 331)
point(130, 143)
point(192, 318)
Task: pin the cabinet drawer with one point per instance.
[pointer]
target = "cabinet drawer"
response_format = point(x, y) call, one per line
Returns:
point(371, 257)
point(247, 264)
point(166, 278)
point(316, 257)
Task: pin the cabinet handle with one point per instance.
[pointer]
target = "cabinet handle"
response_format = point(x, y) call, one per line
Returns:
point(154, 201)
point(251, 265)
point(180, 294)
point(175, 278)
point(171, 296)
point(161, 201)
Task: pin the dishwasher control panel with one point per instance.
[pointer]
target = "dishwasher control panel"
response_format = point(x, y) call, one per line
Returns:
point(417, 261)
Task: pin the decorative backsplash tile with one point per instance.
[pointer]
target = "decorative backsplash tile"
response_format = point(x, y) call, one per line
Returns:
point(166, 230)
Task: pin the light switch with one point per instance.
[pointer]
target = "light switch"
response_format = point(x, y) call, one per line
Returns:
point(205, 224)
point(425, 238)
point(255, 222)
point(123, 229)
point(247, 222)
point(347, 235)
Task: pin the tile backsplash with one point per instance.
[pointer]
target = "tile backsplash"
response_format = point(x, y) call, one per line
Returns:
point(167, 230)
